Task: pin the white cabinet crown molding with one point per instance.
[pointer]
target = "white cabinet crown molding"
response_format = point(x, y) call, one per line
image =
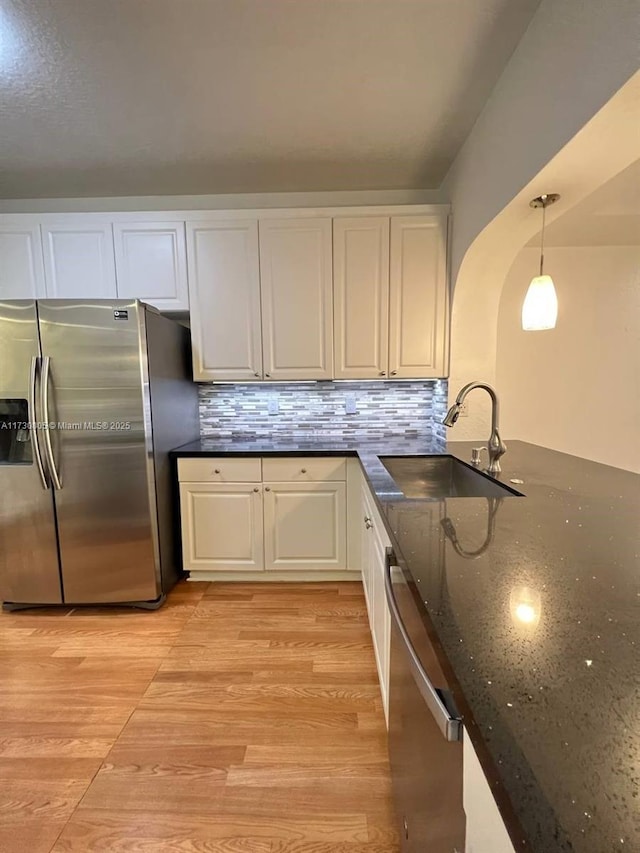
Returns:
point(197, 215)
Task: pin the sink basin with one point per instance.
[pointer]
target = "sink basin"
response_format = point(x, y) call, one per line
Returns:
point(434, 477)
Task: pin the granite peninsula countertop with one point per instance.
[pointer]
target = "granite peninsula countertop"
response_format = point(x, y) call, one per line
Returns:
point(552, 704)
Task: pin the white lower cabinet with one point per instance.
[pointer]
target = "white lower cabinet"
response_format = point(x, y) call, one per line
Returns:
point(485, 828)
point(305, 526)
point(222, 526)
point(295, 529)
point(374, 544)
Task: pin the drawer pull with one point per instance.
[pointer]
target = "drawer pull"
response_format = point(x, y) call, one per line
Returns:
point(216, 470)
point(256, 489)
point(267, 489)
point(303, 470)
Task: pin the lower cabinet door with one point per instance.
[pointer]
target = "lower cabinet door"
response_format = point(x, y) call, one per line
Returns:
point(305, 526)
point(379, 615)
point(366, 520)
point(222, 527)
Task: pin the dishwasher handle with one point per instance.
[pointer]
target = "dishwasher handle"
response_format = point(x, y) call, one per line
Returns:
point(449, 724)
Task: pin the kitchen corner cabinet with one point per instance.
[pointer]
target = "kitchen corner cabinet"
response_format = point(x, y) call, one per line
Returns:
point(296, 288)
point(282, 517)
point(390, 285)
point(224, 292)
point(21, 268)
point(79, 260)
point(305, 526)
point(151, 263)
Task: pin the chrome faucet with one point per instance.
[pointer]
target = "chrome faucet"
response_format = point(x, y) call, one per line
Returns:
point(495, 445)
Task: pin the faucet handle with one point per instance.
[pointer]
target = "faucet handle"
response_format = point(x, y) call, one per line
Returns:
point(476, 458)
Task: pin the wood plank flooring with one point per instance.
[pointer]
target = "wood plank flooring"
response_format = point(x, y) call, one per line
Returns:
point(239, 718)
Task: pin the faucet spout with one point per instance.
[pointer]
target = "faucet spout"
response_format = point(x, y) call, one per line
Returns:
point(495, 445)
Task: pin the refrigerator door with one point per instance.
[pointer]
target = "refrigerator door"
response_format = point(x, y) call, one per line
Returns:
point(29, 565)
point(97, 395)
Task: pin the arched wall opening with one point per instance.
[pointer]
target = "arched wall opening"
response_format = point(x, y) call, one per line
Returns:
point(605, 146)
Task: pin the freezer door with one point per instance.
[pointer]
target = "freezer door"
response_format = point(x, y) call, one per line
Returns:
point(100, 449)
point(29, 567)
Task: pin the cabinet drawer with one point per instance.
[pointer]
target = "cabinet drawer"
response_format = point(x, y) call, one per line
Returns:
point(302, 469)
point(219, 470)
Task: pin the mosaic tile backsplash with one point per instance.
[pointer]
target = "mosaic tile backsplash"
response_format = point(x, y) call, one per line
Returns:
point(342, 409)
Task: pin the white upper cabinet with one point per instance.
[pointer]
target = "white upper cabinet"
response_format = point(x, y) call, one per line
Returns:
point(296, 282)
point(78, 260)
point(361, 296)
point(418, 313)
point(21, 269)
point(224, 292)
point(272, 295)
point(151, 263)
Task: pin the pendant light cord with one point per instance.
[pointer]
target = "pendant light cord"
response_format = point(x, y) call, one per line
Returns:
point(544, 213)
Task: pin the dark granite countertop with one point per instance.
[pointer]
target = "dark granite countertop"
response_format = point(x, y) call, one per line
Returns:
point(552, 704)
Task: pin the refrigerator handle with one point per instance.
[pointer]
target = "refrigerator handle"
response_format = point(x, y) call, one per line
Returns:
point(33, 420)
point(44, 389)
point(449, 724)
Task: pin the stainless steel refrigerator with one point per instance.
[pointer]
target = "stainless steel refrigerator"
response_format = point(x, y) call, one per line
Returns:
point(93, 395)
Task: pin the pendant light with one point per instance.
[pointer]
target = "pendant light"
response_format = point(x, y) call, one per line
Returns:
point(540, 306)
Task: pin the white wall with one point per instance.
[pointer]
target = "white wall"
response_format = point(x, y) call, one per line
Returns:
point(575, 388)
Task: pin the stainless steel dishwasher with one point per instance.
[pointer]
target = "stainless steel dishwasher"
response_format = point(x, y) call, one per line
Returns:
point(425, 732)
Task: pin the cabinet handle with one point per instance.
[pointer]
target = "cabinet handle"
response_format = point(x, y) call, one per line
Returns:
point(303, 470)
point(216, 470)
point(367, 522)
point(394, 372)
point(267, 489)
point(256, 489)
point(382, 373)
point(257, 374)
point(268, 375)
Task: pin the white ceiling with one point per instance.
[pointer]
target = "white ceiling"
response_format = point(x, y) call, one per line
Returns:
point(610, 216)
point(160, 97)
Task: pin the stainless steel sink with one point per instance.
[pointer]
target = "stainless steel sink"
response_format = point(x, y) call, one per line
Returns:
point(434, 477)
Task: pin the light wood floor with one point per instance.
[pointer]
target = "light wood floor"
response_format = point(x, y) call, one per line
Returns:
point(238, 718)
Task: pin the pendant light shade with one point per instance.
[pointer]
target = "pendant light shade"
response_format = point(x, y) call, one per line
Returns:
point(540, 306)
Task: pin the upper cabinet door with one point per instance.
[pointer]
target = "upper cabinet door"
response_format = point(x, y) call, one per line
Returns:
point(418, 310)
point(224, 292)
point(78, 261)
point(297, 315)
point(151, 263)
point(21, 269)
point(361, 297)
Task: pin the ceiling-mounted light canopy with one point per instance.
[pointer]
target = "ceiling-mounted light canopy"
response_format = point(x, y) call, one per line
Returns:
point(540, 306)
